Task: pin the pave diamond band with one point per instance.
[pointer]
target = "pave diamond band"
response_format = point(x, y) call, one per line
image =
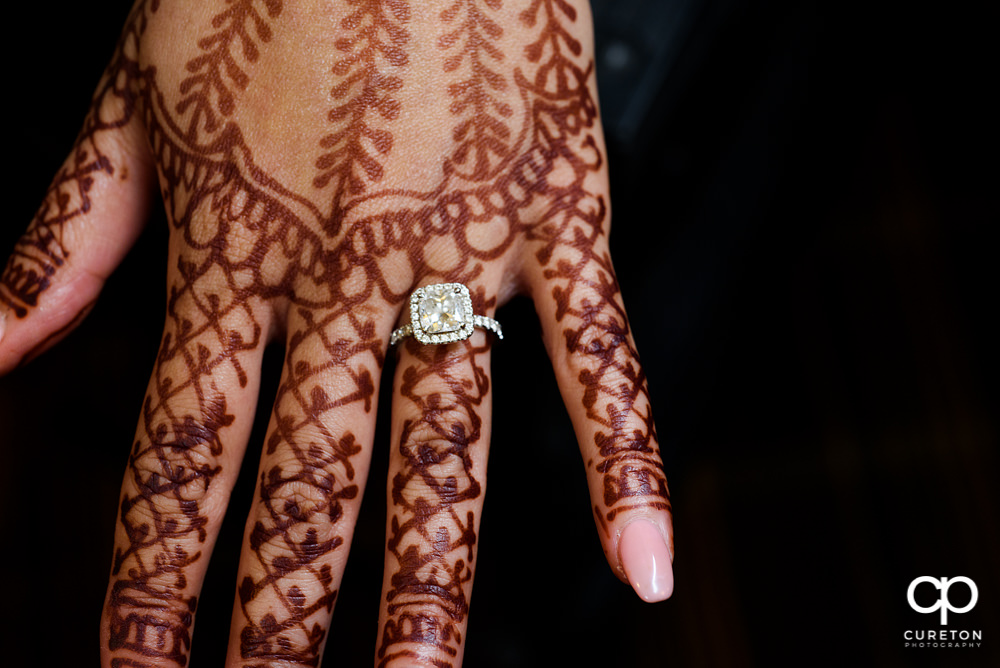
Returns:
point(442, 313)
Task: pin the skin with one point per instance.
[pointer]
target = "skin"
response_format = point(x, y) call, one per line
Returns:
point(318, 162)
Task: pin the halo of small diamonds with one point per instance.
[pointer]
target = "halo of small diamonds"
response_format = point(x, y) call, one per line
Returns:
point(441, 313)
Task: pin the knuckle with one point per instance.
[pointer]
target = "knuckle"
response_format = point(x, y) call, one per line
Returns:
point(308, 484)
point(310, 501)
point(599, 336)
point(286, 648)
point(634, 478)
point(419, 638)
point(632, 473)
point(183, 472)
point(437, 458)
point(184, 465)
point(150, 616)
point(297, 516)
point(439, 431)
point(172, 466)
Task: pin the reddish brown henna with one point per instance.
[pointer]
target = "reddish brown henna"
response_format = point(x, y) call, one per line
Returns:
point(428, 600)
point(150, 613)
point(40, 252)
point(218, 74)
point(616, 397)
point(519, 172)
point(587, 296)
point(211, 325)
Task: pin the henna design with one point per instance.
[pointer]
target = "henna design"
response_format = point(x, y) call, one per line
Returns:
point(212, 323)
point(208, 91)
point(483, 136)
point(521, 163)
point(616, 395)
point(151, 614)
point(41, 251)
point(363, 88)
point(586, 292)
point(433, 569)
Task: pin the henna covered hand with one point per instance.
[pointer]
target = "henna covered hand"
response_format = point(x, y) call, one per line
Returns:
point(318, 162)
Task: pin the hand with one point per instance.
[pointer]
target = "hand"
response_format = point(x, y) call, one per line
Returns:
point(317, 165)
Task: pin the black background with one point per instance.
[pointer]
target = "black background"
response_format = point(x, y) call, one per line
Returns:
point(801, 230)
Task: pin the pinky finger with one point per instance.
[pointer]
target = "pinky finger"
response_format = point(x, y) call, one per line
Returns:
point(604, 388)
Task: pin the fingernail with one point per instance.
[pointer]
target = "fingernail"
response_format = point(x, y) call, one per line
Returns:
point(646, 561)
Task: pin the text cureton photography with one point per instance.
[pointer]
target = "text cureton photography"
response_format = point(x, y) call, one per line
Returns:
point(942, 638)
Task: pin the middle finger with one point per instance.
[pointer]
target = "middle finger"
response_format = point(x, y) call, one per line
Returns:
point(310, 484)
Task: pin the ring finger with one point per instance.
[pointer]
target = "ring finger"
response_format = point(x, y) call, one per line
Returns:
point(437, 475)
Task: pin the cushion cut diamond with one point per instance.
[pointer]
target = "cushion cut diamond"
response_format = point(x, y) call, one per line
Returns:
point(441, 310)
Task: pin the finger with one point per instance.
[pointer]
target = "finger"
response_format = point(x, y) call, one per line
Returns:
point(311, 481)
point(437, 468)
point(90, 217)
point(191, 437)
point(602, 383)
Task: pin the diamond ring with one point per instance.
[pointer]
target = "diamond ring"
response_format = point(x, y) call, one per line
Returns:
point(442, 313)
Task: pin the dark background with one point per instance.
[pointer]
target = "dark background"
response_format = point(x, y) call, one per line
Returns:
point(802, 196)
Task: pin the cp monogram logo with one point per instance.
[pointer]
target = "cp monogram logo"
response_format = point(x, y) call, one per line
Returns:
point(942, 603)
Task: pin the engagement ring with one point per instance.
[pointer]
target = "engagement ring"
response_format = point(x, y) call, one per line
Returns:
point(442, 313)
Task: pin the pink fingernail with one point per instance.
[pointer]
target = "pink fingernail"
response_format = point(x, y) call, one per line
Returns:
point(646, 561)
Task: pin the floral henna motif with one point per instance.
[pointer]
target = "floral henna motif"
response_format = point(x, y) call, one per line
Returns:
point(212, 325)
point(587, 296)
point(483, 136)
point(213, 315)
point(549, 175)
point(208, 91)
